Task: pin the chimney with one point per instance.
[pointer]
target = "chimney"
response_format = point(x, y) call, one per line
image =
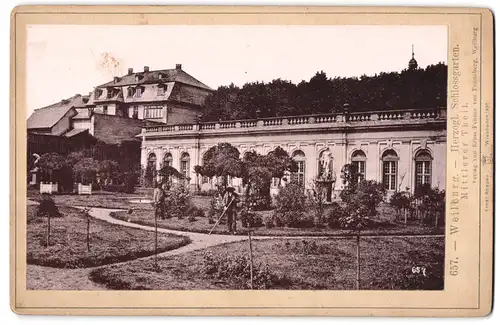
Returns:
point(178, 66)
point(146, 68)
point(130, 70)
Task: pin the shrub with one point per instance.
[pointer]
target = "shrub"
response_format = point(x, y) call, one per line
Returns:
point(130, 181)
point(237, 268)
point(216, 206)
point(194, 212)
point(250, 218)
point(177, 201)
point(290, 198)
point(290, 206)
point(400, 201)
point(47, 207)
point(269, 221)
point(334, 215)
point(294, 219)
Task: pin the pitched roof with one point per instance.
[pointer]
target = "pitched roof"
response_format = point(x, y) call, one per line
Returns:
point(168, 75)
point(47, 117)
point(74, 132)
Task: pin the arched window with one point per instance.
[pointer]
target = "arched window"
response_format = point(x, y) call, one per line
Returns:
point(167, 159)
point(184, 164)
point(150, 173)
point(204, 179)
point(390, 169)
point(423, 168)
point(358, 158)
point(299, 176)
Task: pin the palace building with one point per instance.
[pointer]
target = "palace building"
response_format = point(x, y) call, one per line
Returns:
point(401, 149)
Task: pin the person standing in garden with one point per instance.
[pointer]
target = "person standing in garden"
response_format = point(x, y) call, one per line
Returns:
point(159, 201)
point(230, 199)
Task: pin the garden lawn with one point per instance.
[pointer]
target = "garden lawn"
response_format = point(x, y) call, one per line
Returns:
point(99, 200)
point(386, 263)
point(108, 243)
point(385, 224)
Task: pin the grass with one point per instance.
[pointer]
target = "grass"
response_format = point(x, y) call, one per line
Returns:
point(99, 200)
point(385, 224)
point(109, 243)
point(330, 265)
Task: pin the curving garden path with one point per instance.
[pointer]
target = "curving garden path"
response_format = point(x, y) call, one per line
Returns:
point(43, 277)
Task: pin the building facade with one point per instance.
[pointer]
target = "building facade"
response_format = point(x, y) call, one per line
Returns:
point(117, 110)
point(401, 149)
point(167, 96)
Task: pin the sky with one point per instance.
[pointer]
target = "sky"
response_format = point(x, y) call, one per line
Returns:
point(63, 60)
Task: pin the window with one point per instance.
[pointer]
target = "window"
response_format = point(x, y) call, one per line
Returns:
point(150, 174)
point(185, 164)
point(276, 182)
point(130, 92)
point(300, 159)
point(135, 111)
point(389, 169)
point(167, 159)
point(105, 109)
point(138, 92)
point(423, 168)
point(359, 160)
point(110, 93)
point(161, 90)
point(98, 93)
point(153, 111)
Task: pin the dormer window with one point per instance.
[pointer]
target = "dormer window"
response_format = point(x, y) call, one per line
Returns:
point(161, 89)
point(98, 93)
point(160, 75)
point(138, 92)
point(138, 77)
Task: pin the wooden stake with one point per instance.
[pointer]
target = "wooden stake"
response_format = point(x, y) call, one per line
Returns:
point(357, 262)
point(48, 229)
point(88, 231)
point(251, 258)
point(156, 239)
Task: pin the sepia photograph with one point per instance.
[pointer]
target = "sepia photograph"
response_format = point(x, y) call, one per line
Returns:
point(232, 157)
point(251, 161)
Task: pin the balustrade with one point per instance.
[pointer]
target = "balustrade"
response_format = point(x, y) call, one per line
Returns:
point(301, 120)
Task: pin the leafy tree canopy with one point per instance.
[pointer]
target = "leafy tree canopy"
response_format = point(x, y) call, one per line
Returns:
point(408, 89)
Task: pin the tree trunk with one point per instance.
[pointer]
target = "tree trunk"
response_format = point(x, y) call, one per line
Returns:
point(357, 262)
point(48, 229)
point(156, 240)
point(88, 232)
point(251, 258)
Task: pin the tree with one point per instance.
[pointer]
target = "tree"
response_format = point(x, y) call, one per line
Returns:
point(431, 203)
point(280, 162)
point(222, 161)
point(407, 89)
point(86, 169)
point(349, 176)
point(401, 202)
point(51, 163)
point(107, 170)
point(361, 205)
point(317, 199)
